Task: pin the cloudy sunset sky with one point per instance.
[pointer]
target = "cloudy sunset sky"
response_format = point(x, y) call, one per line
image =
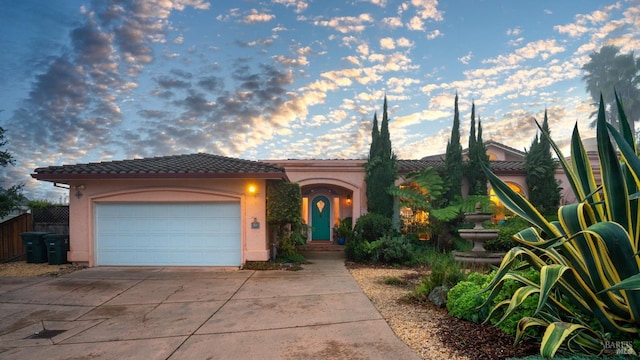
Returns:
point(86, 81)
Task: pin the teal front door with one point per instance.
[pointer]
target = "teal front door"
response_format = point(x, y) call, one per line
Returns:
point(320, 218)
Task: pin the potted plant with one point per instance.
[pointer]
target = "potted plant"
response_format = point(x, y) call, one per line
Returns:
point(343, 230)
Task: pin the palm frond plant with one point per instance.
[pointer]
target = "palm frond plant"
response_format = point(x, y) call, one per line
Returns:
point(589, 284)
point(426, 192)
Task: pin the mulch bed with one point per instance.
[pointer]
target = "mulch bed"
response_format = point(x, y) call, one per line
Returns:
point(480, 341)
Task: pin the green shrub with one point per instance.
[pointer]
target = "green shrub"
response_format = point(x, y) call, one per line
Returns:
point(371, 227)
point(466, 300)
point(283, 212)
point(354, 249)
point(295, 258)
point(526, 309)
point(506, 230)
point(390, 250)
point(396, 250)
point(42, 204)
point(394, 280)
point(445, 271)
point(290, 236)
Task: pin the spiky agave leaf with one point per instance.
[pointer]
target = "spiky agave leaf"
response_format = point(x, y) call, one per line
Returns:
point(589, 258)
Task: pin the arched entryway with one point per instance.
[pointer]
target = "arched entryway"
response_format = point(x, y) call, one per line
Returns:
point(320, 218)
point(340, 182)
point(324, 206)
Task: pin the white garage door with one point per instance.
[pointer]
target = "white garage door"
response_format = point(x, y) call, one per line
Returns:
point(159, 234)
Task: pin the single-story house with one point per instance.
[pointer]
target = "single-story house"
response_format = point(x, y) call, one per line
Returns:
point(184, 210)
point(209, 210)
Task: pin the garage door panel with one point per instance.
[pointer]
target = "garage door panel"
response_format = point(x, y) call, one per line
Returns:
point(147, 234)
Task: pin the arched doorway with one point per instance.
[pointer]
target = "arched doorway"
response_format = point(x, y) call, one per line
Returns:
point(320, 218)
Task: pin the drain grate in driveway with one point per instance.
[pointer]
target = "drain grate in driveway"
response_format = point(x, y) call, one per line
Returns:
point(45, 334)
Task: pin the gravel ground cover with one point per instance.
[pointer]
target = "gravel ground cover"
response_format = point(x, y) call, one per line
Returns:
point(22, 268)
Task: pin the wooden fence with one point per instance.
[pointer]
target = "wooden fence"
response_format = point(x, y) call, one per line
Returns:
point(11, 246)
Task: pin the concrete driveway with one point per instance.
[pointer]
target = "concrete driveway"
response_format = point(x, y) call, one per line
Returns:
point(195, 313)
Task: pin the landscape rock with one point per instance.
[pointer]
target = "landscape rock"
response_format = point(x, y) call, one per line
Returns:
point(438, 296)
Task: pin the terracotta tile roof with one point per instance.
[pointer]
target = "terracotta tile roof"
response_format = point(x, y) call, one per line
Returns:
point(512, 149)
point(407, 166)
point(488, 144)
point(198, 165)
point(505, 166)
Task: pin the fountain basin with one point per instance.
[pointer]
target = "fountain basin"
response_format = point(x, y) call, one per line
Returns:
point(477, 218)
point(478, 237)
point(479, 257)
point(478, 234)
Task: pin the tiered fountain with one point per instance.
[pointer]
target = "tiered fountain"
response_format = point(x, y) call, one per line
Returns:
point(478, 235)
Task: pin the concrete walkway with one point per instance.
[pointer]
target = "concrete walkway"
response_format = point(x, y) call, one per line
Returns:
point(195, 313)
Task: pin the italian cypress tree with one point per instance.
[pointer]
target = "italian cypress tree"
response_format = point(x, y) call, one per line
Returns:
point(375, 137)
point(453, 159)
point(477, 157)
point(544, 192)
point(483, 159)
point(470, 165)
point(385, 137)
point(372, 163)
point(381, 169)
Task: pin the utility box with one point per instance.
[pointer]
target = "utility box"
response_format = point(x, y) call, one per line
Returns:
point(57, 247)
point(34, 246)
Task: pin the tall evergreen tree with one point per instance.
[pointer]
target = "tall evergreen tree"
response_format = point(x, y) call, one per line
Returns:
point(544, 192)
point(385, 137)
point(372, 163)
point(477, 157)
point(483, 158)
point(381, 169)
point(470, 164)
point(453, 159)
point(375, 137)
point(472, 131)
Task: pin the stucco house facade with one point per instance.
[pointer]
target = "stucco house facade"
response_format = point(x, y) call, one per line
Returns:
point(209, 210)
point(186, 210)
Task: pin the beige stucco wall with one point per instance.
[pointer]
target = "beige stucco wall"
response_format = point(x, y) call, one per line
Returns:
point(254, 245)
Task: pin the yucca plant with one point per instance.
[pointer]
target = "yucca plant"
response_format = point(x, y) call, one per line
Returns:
point(588, 259)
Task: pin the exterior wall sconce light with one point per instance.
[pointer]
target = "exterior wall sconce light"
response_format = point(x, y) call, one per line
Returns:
point(253, 190)
point(349, 200)
point(78, 194)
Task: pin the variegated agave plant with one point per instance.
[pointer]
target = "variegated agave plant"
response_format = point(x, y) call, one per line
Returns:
point(588, 259)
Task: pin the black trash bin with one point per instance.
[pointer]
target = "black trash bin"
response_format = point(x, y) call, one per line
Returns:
point(34, 246)
point(57, 247)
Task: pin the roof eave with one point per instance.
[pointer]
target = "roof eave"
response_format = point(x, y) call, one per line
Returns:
point(66, 178)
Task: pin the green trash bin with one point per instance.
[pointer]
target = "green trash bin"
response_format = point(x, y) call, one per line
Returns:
point(57, 247)
point(34, 246)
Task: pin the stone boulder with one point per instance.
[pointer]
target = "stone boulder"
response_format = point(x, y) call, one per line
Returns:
point(438, 296)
